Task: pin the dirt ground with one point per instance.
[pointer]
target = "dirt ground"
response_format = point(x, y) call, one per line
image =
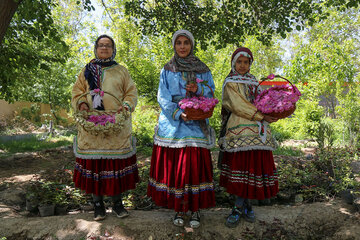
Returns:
point(322, 220)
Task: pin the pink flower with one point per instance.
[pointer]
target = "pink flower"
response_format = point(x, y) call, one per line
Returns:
point(198, 80)
point(96, 90)
point(271, 76)
point(101, 119)
point(205, 104)
point(102, 93)
point(277, 99)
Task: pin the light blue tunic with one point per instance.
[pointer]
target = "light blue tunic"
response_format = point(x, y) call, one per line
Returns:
point(172, 130)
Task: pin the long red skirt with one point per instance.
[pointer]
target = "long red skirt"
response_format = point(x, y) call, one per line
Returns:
point(181, 178)
point(106, 176)
point(249, 174)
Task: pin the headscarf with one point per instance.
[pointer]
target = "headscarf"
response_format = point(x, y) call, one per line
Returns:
point(93, 71)
point(248, 79)
point(188, 64)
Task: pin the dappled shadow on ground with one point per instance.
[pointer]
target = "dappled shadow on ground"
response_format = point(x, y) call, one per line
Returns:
point(321, 220)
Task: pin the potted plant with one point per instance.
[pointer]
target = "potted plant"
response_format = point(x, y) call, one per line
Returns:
point(62, 195)
point(47, 199)
point(32, 196)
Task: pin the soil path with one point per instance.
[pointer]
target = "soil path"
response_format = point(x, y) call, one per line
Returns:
point(325, 220)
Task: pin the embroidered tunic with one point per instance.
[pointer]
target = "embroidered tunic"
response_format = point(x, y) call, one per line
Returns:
point(117, 81)
point(245, 129)
point(171, 130)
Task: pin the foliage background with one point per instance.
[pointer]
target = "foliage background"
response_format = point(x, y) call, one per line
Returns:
point(315, 44)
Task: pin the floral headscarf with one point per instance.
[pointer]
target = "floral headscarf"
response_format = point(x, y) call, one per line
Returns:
point(248, 79)
point(93, 71)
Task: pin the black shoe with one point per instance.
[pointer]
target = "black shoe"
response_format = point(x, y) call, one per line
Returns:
point(195, 219)
point(249, 214)
point(179, 219)
point(119, 210)
point(99, 211)
point(234, 218)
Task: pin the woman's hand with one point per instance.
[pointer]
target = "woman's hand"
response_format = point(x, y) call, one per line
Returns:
point(270, 119)
point(83, 107)
point(184, 117)
point(121, 108)
point(192, 87)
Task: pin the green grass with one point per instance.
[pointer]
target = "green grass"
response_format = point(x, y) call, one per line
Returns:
point(144, 150)
point(288, 151)
point(33, 144)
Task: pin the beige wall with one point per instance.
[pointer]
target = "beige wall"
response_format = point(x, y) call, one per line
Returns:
point(8, 110)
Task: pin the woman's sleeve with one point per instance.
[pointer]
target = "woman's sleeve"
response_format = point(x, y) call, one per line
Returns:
point(234, 100)
point(130, 92)
point(80, 87)
point(164, 97)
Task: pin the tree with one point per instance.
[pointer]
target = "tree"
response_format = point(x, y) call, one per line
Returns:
point(326, 62)
point(229, 21)
point(29, 45)
point(32, 11)
point(39, 38)
point(7, 11)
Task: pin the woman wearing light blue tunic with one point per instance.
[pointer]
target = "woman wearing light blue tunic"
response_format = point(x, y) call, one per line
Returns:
point(181, 173)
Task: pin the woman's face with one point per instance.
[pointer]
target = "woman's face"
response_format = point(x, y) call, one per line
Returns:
point(242, 65)
point(104, 48)
point(182, 46)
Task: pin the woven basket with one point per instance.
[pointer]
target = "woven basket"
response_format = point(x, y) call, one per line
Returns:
point(199, 114)
point(283, 114)
point(81, 118)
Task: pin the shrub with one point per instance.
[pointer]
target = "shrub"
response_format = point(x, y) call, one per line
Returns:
point(144, 120)
point(322, 178)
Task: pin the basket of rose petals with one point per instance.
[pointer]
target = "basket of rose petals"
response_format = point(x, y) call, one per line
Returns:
point(277, 101)
point(100, 121)
point(199, 108)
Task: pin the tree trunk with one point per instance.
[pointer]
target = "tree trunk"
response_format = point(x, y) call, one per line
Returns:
point(7, 11)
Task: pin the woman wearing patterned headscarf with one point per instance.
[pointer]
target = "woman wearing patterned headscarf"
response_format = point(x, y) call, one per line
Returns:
point(105, 165)
point(246, 161)
point(181, 174)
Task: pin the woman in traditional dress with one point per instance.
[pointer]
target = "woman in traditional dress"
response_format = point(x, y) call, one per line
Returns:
point(247, 164)
point(105, 163)
point(181, 173)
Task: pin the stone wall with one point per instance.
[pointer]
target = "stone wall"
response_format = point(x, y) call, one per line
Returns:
point(9, 110)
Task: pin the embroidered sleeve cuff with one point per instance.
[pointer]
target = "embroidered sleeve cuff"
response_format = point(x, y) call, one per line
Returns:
point(177, 113)
point(128, 106)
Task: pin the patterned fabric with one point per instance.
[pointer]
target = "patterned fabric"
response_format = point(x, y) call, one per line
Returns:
point(242, 51)
point(249, 174)
point(249, 81)
point(246, 137)
point(179, 193)
point(106, 176)
point(172, 130)
point(181, 178)
point(188, 64)
point(93, 153)
point(242, 127)
point(93, 70)
point(117, 81)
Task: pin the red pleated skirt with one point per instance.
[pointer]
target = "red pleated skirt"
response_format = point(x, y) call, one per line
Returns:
point(106, 176)
point(181, 178)
point(249, 174)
